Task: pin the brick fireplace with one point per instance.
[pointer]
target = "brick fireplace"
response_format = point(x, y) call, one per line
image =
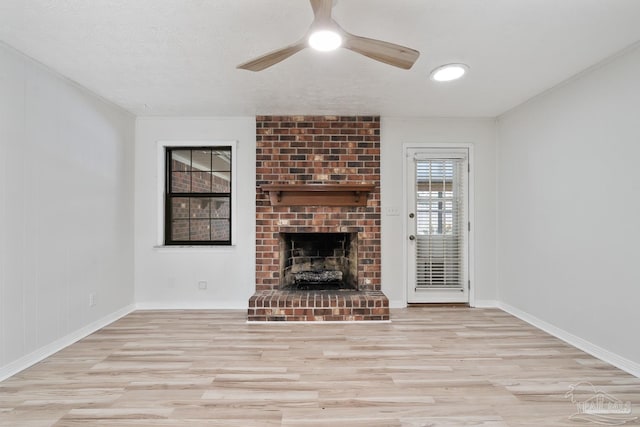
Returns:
point(318, 180)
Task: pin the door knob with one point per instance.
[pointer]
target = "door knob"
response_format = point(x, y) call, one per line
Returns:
point(412, 237)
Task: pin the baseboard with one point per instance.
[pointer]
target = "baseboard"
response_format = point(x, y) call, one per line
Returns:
point(616, 360)
point(486, 303)
point(49, 349)
point(194, 305)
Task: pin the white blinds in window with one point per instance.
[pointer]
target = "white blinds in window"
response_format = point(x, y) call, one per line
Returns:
point(440, 223)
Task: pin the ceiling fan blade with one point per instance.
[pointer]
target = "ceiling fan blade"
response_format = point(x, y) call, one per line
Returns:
point(389, 53)
point(322, 10)
point(273, 57)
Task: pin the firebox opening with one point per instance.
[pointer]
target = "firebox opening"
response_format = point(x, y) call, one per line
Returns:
point(319, 261)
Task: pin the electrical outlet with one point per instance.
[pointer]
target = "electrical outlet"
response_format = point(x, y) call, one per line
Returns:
point(92, 299)
point(202, 284)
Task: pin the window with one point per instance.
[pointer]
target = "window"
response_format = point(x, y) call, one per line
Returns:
point(435, 197)
point(439, 223)
point(198, 195)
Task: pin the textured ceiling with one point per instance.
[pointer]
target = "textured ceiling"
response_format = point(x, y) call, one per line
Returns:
point(178, 57)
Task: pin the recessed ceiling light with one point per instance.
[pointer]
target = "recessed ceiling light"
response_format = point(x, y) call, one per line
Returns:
point(325, 40)
point(449, 72)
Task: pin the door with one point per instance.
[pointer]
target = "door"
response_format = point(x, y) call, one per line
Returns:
point(438, 225)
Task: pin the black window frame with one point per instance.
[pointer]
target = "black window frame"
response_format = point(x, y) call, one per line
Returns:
point(169, 194)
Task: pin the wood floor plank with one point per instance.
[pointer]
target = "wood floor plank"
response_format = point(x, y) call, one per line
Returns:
point(431, 366)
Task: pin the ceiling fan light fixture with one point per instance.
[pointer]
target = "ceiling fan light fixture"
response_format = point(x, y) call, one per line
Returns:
point(325, 34)
point(325, 40)
point(449, 72)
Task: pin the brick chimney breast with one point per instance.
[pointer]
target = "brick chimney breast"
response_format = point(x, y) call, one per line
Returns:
point(317, 150)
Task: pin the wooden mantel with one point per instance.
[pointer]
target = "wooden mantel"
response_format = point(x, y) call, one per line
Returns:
point(318, 194)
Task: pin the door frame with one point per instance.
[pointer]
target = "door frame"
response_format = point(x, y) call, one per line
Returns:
point(471, 210)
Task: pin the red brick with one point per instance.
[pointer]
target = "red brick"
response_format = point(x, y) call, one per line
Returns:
point(317, 149)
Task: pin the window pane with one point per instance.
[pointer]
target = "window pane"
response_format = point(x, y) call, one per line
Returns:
point(201, 182)
point(221, 182)
point(180, 230)
point(200, 207)
point(199, 229)
point(201, 160)
point(221, 161)
point(181, 160)
point(180, 182)
point(220, 207)
point(220, 229)
point(180, 208)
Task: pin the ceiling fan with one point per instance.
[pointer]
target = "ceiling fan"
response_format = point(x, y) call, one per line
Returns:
point(325, 34)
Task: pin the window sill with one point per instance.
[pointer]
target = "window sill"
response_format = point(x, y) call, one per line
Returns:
point(195, 248)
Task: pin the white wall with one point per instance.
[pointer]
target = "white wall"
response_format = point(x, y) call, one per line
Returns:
point(479, 132)
point(569, 206)
point(168, 277)
point(66, 208)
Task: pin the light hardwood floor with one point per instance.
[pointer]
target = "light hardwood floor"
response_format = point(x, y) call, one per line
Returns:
point(432, 366)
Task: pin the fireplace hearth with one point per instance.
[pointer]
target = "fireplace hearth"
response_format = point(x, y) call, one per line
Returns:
point(318, 219)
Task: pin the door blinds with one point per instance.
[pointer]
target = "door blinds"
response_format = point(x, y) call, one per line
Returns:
point(440, 232)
